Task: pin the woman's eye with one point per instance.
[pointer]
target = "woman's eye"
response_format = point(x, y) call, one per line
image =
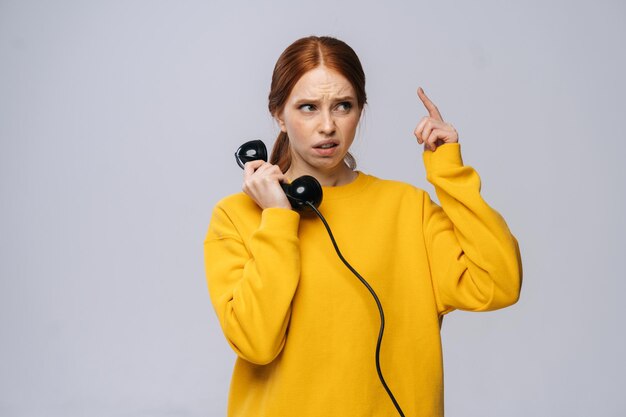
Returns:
point(307, 107)
point(345, 106)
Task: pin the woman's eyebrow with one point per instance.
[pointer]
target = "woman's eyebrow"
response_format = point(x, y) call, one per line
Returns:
point(316, 100)
point(307, 100)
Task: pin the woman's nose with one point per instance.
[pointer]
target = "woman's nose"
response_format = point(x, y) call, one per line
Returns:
point(327, 124)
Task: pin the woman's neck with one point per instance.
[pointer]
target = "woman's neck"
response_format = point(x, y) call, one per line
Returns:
point(342, 175)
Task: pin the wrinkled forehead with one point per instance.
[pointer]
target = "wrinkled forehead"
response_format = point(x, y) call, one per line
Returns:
point(322, 83)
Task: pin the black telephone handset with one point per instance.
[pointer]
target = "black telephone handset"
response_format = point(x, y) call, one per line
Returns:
point(302, 191)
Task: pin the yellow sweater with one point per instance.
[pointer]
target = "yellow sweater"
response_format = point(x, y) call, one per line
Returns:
point(304, 328)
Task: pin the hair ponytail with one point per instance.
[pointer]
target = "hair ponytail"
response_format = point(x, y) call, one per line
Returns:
point(281, 155)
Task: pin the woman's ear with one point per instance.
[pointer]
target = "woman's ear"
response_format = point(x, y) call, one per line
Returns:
point(280, 121)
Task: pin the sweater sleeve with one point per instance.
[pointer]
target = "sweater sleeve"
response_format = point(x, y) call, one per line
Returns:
point(252, 286)
point(474, 259)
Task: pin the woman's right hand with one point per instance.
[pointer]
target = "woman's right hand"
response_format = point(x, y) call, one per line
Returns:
point(261, 181)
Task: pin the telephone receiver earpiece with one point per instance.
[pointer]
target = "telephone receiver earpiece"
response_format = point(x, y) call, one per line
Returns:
point(303, 190)
point(251, 151)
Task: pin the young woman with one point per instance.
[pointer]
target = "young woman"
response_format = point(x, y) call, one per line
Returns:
point(303, 326)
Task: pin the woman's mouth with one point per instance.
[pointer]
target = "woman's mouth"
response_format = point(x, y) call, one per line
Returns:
point(326, 148)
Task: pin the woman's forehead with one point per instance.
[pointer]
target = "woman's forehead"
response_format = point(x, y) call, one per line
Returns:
point(322, 82)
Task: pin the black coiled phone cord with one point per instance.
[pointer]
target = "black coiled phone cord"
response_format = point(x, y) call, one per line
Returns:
point(380, 308)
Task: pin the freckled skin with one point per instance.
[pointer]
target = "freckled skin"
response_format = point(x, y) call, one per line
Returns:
point(322, 106)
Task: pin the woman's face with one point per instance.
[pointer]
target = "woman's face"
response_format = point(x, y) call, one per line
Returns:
point(320, 117)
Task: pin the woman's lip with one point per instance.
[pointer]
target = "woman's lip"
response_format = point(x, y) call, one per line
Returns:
point(326, 142)
point(326, 151)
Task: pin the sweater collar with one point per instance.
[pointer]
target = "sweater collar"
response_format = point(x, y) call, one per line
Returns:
point(346, 190)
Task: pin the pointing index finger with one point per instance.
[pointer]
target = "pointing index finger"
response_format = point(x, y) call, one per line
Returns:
point(433, 111)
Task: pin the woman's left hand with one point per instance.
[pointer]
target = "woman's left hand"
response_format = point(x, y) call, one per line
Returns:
point(432, 131)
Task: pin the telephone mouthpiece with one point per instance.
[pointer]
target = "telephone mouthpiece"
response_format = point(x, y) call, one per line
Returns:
point(302, 190)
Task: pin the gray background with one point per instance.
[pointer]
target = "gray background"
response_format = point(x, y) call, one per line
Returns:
point(118, 121)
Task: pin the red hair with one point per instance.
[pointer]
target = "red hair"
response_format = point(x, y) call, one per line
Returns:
point(300, 57)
